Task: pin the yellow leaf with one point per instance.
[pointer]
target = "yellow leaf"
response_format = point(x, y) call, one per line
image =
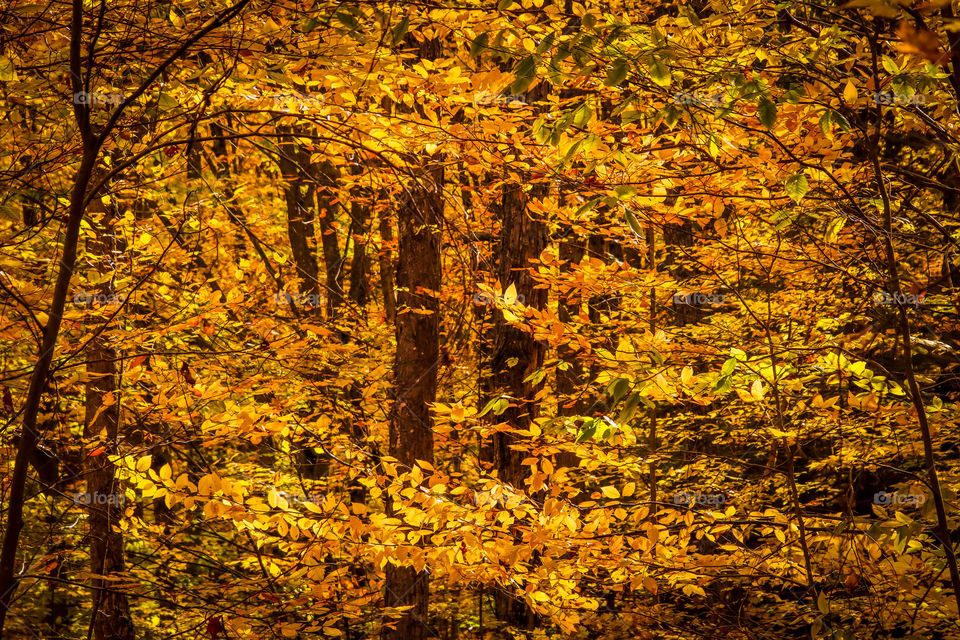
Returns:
point(823, 604)
point(510, 295)
point(686, 376)
point(8, 72)
point(850, 93)
point(143, 463)
point(540, 596)
point(610, 492)
point(757, 390)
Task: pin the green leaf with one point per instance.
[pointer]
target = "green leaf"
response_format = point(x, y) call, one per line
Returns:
point(399, 31)
point(840, 121)
point(617, 72)
point(659, 72)
point(582, 116)
point(479, 44)
point(796, 186)
point(587, 430)
point(347, 20)
point(619, 388)
point(728, 367)
point(561, 127)
point(722, 385)
point(546, 43)
point(525, 71)
point(486, 408)
point(309, 24)
point(890, 65)
point(767, 112)
point(497, 405)
point(536, 377)
point(629, 408)
point(167, 102)
point(572, 150)
point(633, 223)
point(587, 207)
point(671, 114)
point(690, 14)
point(825, 121)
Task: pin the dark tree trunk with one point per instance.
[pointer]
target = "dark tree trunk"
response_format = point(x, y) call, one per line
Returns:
point(299, 194)
point(569, 380)
point(386, 267)
point(415, 371)
point(110, 616)
point(325, 178)
point(360, 228)
point(517, 354)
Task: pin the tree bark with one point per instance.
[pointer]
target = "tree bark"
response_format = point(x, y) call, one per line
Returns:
point(415, 371)
point(359, 291)
point(571, 250)
point(110, 615)
point(298, 193)
point(522, 239)
point(325, 178)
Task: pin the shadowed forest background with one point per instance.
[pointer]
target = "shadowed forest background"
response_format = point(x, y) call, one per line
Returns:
point(474, 320)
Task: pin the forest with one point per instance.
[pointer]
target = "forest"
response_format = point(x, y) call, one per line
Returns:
point(479, 319)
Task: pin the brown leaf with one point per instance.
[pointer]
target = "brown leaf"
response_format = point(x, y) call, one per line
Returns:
point(920, 42)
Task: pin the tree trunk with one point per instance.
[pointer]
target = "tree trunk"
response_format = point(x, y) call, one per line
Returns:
point(28, 445)
point(415, 371)
point(298, 193)
point(110, 616)
point(360, 227)
point(517, 355)
point(571, 250)
point(325, 178)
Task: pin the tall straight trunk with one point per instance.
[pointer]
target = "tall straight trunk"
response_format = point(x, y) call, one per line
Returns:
point(419, 270)
point(571, 251)
point(677, 240)
point(325, 177)
point(360, 227)
point(298, 193)
point(517, 354)
point(415, 370)
point(110, 614)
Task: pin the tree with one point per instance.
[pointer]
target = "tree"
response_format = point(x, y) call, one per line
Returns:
point(663, 345)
